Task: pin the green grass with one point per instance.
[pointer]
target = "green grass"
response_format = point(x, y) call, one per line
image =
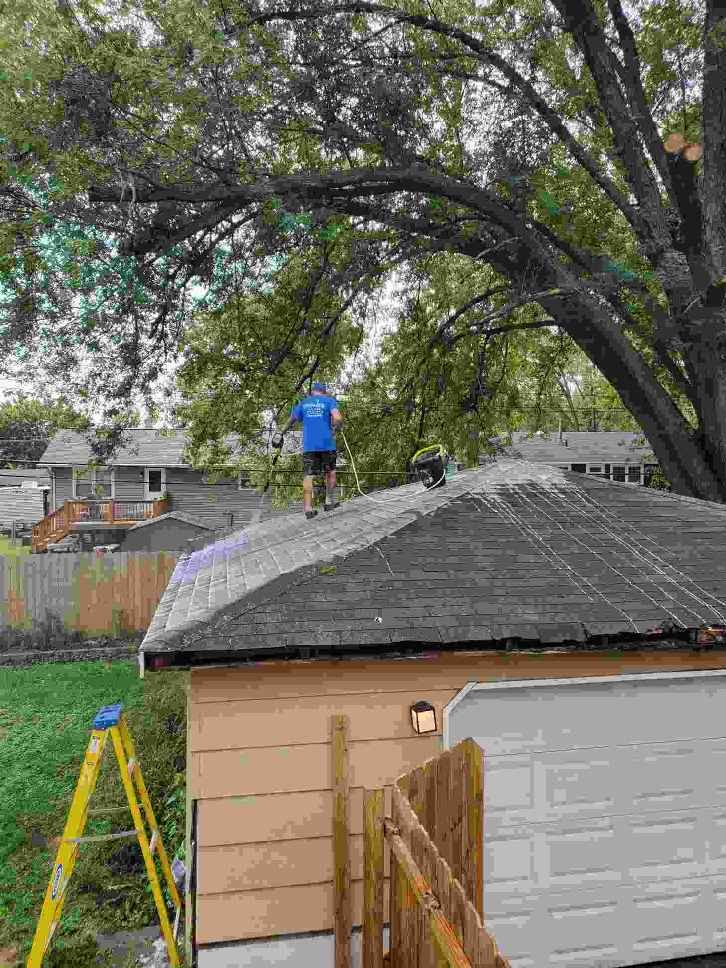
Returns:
point(46, 713)
point(10, 550)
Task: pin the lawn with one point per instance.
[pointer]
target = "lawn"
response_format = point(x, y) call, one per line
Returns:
point(10, 550)
point(46, 712)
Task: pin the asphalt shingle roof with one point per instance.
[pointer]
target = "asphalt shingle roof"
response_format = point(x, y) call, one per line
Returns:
point(608, 446)
point(508, 550)
point(144, 447)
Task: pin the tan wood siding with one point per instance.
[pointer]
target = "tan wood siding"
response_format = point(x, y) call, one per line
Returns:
point(274, 817)
point(245, 867)
point(272, 911)
point(292, 769)
point(271, 722)
point(261, 767)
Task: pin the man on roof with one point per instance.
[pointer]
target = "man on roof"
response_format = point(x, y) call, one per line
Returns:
point(319, 416)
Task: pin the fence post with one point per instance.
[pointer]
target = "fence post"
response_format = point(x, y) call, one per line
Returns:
point(372, 879)
point(342, 917)
point(474, 807)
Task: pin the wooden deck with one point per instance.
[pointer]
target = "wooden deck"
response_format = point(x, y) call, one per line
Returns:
point(59, 523)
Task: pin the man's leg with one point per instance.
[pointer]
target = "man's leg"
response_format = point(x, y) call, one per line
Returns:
point(308, 493)
point(330, 486)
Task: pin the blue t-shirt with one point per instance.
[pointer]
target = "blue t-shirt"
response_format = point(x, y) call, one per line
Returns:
point(314, 413)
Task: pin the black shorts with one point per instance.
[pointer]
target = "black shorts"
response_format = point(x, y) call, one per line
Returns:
point(317, 461)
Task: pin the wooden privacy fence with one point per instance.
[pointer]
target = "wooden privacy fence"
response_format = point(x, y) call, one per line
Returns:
point(434, 919)
point(97, 594)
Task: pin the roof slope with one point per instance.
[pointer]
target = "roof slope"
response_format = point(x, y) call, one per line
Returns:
point(508, 550)
point(144, 447)
point(609, 446)
point(204, 525)
point(20, 504)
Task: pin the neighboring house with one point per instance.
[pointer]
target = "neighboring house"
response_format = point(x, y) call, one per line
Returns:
point(567, 624)
point(148, 467)
point(613, 454)
point(24, 505)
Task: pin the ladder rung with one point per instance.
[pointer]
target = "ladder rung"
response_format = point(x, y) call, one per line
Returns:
point(99, 837)
point(132, 765)
point(176, 921)
point(101, 810)
point(152, 842)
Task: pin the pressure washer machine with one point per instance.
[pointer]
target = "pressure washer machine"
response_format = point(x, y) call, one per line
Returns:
point(429, 465)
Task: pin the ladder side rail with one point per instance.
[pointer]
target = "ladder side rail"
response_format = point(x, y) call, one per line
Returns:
point(150, 815)
point(67, 853)
point(144, 844)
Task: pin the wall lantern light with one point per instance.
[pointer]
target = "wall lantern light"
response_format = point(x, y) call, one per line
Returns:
point(423, 717)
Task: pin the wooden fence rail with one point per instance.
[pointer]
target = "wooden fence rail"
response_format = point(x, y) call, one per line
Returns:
point(92, 593)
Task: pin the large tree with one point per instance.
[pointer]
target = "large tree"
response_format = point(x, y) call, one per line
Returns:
point(576, 148)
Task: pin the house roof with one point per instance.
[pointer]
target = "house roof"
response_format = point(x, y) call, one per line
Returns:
point(510, 550)
point(177, 516)
point(608, 446)
point(20, 504)
point(143, 448)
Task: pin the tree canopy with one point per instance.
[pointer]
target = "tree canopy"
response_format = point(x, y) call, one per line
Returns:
point(571, 154)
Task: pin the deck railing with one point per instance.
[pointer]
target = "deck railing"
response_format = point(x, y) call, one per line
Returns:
point(56, 525)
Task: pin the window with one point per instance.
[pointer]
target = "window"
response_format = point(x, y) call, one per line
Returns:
point(562, 467)
point(619, 472)
point(634, 475)
point(155, 483)
point(595, 469)
point(578, 468)
point(243, 479)
point(607, 471)
point(92, 482)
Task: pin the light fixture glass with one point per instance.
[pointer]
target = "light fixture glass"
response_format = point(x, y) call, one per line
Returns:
point(423, 717)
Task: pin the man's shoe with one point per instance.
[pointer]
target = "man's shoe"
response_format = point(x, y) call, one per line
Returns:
point(310, 514)
point(332, 507)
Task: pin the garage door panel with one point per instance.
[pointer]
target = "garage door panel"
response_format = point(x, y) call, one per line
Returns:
point(667, 846)
point(579, 930)
point(582, 715)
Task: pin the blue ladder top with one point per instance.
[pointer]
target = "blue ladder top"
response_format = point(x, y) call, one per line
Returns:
point(108, 716)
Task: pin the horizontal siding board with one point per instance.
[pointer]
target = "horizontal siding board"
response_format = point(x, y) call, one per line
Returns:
point(276, 722)
point(291, 769)
point(258, 818)
point(272, 911)
point(245, 867)
point(445, 670)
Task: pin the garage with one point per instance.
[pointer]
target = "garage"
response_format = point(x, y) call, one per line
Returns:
point(604, 815)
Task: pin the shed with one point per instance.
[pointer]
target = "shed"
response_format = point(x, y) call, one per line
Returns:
point(168, 532)
point(573, 627)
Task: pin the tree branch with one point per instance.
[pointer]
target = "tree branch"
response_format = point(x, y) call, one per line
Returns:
point(582, 22)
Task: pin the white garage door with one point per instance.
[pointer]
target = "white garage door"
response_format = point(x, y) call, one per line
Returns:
point(604, 816)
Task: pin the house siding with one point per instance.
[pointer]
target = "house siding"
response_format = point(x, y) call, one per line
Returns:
point(260, 770)
point(212, 501)
point(209, 502)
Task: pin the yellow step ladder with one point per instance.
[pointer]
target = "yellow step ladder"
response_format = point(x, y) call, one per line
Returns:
point(110, 720)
